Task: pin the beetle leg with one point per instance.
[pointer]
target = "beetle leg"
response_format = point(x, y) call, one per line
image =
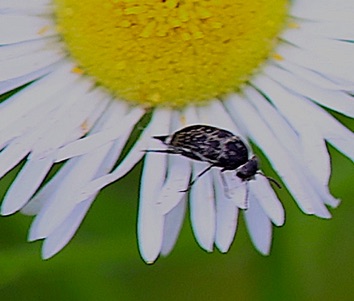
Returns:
point(196, 178)
point(165, 151)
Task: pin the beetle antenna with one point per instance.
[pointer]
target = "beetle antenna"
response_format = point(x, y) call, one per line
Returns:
point(270, 179)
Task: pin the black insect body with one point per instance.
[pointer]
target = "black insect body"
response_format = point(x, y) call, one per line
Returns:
point(208, 144)
point(216, 146)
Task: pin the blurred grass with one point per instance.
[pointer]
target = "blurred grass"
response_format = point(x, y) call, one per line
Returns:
point(311, 258)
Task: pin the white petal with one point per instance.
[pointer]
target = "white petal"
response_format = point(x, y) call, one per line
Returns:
point(14, 29)
point(323, 10)
point(37, 202)
point(329, 29)
point(32, 62)
point(172, 227)
point(150, 220)
point(179, 170)
point(178, 175)
point(267, 199)
point(239, 196)
point(60, 123)
point(236, 189)
point(318, 80)
point(335, 100)
point(56, 241)
point(334, 132)
point(42, 157)
point(290, 138)
point(35, 132)
point(88, 166)
point(34, 206)
point(286, 166)
point(278, 125)
point(19, 3)
point(259, 226)
point(132, 158)
point(315, 155)
point(26, 183)
point(35, 96)
point(323, 47)
point(80, 121)
point(226, 216)
point(92, 142)
point(217, 115)
point(202, 208)
point(189, 116)
point(11, 84)
point(318, 63)
point(14, 153)
point(63, 233)
point(61, 203)
point(14, 51)
point(292, 107)
point(33, 8)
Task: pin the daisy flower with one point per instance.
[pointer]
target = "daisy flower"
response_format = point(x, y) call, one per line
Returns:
point(81, 81)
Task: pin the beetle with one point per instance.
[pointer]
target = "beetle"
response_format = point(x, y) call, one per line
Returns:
point(218, 147)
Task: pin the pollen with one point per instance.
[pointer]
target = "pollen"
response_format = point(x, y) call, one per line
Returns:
point(77, 70)
point(294, 25)
point(170, 52)
point(43, 30)
point(278, 57)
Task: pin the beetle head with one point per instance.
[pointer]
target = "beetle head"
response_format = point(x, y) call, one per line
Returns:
point(247, 171)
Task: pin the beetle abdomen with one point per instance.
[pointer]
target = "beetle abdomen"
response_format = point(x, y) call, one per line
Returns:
point(206, 143)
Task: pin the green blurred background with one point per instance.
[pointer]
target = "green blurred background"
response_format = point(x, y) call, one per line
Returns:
point(311, 258)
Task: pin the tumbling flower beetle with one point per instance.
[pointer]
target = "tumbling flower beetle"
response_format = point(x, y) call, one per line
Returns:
point(216, 146)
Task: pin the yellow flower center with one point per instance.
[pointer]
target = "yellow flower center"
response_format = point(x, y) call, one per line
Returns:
point(170, 52)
